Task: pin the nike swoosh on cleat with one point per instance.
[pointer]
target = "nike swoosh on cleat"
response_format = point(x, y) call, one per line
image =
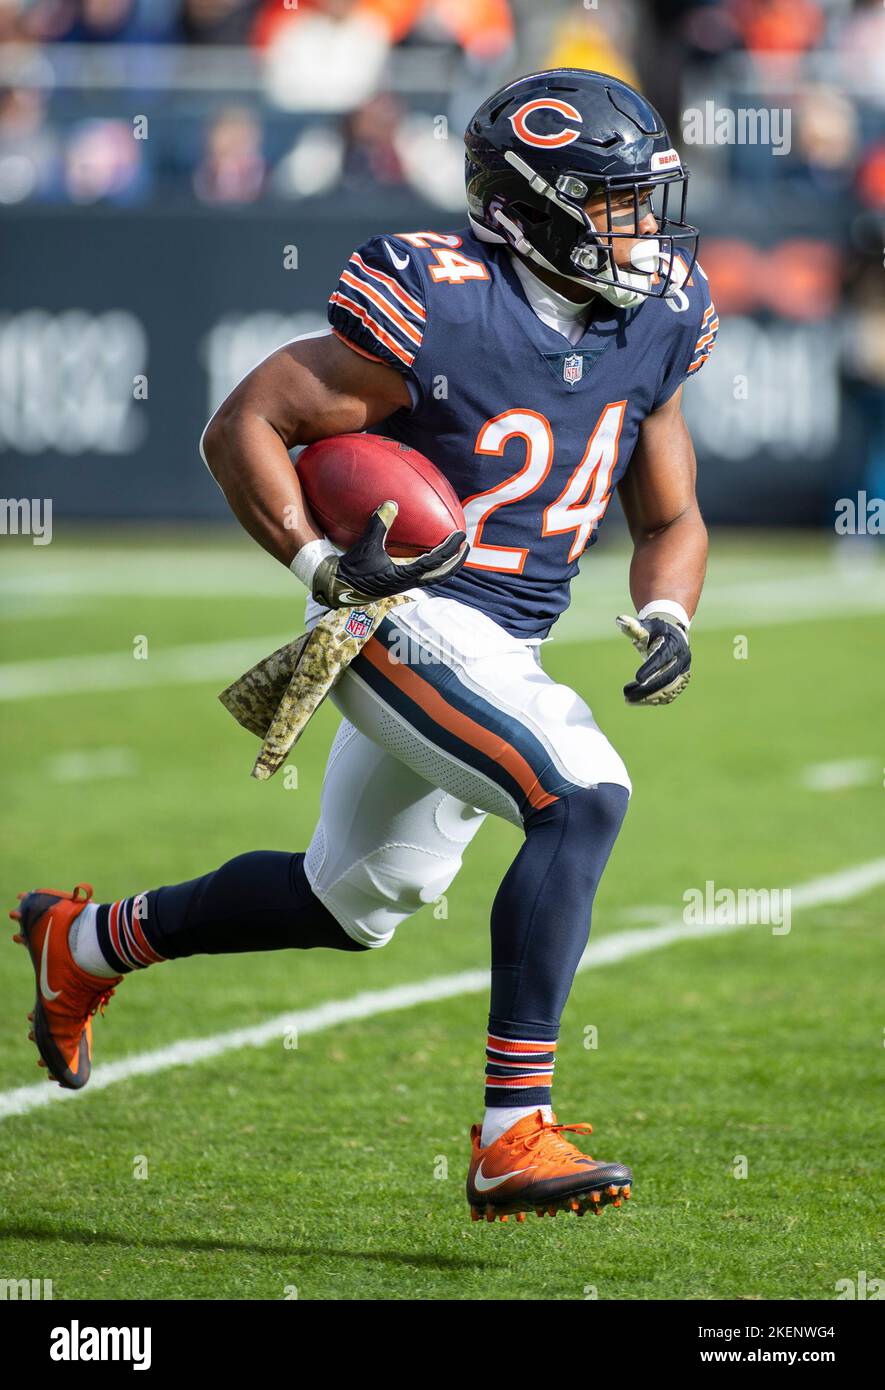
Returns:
point(400, 264)
point(483, 1184)
point(48, 994)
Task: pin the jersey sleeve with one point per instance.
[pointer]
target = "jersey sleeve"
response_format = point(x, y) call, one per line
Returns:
point(696, 336)
point(378, 307)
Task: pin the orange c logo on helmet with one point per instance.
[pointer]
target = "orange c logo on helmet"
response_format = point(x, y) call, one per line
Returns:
point(557, 138)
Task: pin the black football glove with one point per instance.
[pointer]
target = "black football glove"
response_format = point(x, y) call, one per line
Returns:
point(665, 673)
point(366, 571)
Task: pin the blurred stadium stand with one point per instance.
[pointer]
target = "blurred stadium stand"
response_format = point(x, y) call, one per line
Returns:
point(158, 157)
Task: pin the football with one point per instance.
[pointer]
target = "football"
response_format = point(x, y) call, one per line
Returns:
point(347, 476)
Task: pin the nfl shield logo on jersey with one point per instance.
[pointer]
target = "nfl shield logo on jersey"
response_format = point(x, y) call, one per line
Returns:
point(572, 369)
point(359, 623)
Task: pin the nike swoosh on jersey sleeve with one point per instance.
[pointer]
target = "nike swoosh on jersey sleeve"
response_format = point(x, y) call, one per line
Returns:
point(379, 309)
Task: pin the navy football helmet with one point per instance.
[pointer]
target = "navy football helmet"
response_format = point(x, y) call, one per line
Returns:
point(546, 144)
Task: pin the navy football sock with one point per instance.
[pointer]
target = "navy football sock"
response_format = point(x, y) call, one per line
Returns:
point(260, 901)
point(540, 926)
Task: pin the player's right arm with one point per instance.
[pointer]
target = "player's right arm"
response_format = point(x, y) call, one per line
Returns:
point(311, 389)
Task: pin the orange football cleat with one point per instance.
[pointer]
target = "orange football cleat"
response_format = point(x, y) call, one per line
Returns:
point(532, 1167)
point(66, 996)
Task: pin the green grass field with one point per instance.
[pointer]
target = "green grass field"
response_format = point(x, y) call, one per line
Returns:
point(336, 1169)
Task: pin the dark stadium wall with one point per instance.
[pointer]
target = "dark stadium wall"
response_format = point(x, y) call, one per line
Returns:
point(121, 332)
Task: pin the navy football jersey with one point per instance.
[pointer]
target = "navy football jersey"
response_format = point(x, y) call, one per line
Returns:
point(532, 433)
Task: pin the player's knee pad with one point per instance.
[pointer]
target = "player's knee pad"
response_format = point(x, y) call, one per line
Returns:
point(372, 895)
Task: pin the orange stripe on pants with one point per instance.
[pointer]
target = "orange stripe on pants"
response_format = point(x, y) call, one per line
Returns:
point(461, 725)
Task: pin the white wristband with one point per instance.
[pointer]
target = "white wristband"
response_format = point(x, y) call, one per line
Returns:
point(306, 562)
point(666, 605)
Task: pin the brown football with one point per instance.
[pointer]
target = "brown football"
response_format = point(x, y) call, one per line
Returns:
point(347, 476)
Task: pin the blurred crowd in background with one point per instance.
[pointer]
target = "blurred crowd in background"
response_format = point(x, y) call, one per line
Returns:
point(230, 102)
point(356, 108)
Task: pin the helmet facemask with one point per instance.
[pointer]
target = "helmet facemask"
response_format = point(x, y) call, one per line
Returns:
point(577, 249)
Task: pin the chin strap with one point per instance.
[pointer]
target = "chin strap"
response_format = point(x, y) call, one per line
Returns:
point(619, 292)
point(628, 289)
point(624, 292)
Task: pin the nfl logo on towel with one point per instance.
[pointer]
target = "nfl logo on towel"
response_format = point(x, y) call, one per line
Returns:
point(572, 369)
point(359, 623)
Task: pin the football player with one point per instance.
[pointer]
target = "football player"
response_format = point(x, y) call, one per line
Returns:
point(538, 357)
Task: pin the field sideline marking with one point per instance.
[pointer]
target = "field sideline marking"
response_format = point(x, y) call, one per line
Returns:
point(846, 772)
point(195, 663)
point(186, 664)
point(832, 888)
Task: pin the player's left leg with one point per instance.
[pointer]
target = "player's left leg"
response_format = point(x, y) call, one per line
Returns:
point(453, 696)
point(540, 925)
point(386, 843)
point(81, 950)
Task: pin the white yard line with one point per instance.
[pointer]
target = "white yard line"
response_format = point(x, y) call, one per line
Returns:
point(184, 665)
point(739, 607)
point(91, 764)
point(735, 609)
point(176, 572)
point(837, 887)
point(845, 772)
